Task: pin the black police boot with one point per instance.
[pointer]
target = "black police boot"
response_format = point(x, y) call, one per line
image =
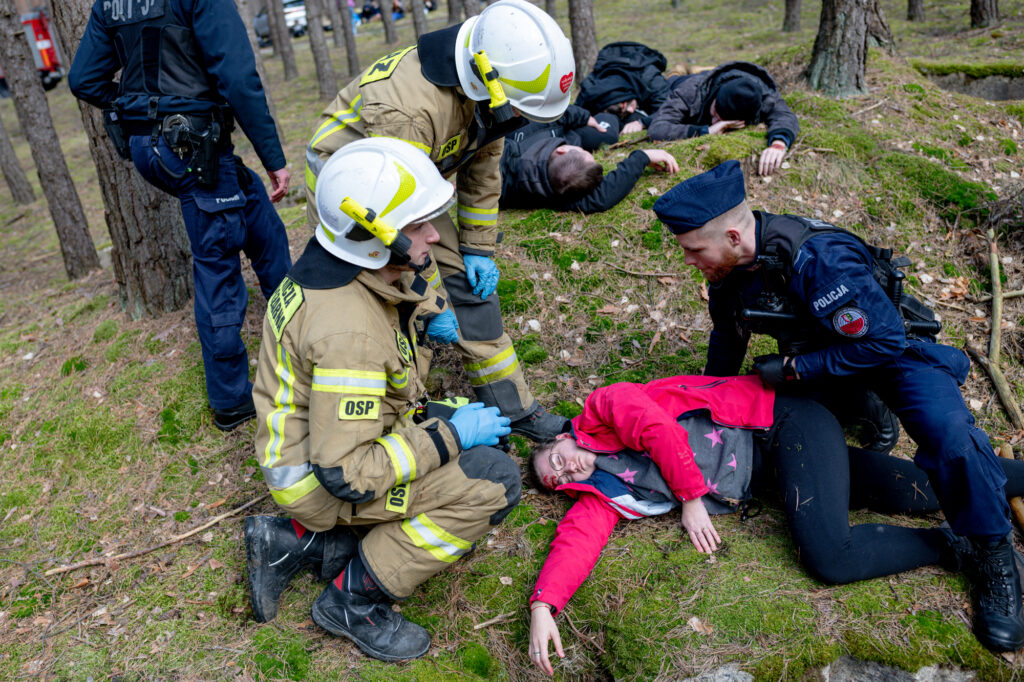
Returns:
point(958, 551)
point(230, 419)
point(996, 593)
point(540, 425)
point(880, 429)
point(353, 606)
point(276, 549)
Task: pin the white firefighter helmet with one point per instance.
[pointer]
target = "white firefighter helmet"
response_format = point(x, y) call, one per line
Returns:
point(384, 184)
point(531, 55)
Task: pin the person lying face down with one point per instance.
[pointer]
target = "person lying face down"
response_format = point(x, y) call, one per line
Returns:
point(727, 98)
point(700, 445)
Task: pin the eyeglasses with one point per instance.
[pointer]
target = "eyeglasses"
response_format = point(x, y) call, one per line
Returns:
point(557, 463)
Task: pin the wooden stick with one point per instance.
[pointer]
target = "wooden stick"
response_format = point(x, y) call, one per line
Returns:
point(642, 274)
point(1016, 504)
point(873, 106)
point(497, 619)
point(995, 334)
point(1002, 387)
point(177, 538)
point(581, 635)
point(985, 298)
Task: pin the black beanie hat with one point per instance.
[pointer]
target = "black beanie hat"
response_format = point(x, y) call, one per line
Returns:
point(739, 99)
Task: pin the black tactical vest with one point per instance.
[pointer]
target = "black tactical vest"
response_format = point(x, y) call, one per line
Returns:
point(158, 56)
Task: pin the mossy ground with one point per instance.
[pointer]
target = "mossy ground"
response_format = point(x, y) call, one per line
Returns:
point(108, 446)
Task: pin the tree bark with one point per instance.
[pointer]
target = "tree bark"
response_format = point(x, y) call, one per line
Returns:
point(454, 12)
point(878, 26)
point(351, 51)
point(390, 34)
point(584, 35)
point(551, 9)
point(471, 7)
point(791, 21)
point(246, 10)
point(334, 11)
point(325, 77)
point(915, 10)
point(984, 13)
point(840, 49)
point(150, 251)
point(282, 39)
point(33, 111)
point(419, 16)
point(17, 182)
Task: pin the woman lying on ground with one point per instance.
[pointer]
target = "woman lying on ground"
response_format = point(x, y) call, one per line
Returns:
point(702, 443)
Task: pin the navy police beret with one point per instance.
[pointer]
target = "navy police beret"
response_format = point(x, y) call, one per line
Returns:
point(695, 201)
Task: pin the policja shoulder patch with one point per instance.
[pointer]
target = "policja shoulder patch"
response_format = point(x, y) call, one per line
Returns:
point(850, 321)
point(285, 300)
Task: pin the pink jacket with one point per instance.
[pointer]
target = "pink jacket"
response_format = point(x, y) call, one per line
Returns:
point(641, 417)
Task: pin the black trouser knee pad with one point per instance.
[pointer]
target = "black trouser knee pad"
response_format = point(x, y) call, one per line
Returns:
point(479, 320)
point(489, 464)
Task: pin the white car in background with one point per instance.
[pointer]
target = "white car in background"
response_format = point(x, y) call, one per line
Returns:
point(294, 19)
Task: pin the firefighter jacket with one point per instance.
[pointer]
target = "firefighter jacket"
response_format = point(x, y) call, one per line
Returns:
point(340, 376)
point(413, 95)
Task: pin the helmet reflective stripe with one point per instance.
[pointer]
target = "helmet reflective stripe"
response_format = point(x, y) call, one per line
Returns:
point(533, 87)
point(406, 187)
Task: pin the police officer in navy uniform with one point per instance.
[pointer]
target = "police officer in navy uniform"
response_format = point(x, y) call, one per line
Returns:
point(840, 328)
point(187, 73)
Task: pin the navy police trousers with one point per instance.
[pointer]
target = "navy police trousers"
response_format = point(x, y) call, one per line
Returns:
point(235, 216)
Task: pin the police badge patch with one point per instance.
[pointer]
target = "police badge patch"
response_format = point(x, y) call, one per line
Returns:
point(850, 321)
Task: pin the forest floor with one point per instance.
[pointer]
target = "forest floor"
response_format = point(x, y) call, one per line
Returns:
point(108, 446)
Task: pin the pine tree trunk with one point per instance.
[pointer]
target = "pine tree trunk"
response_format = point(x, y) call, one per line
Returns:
point(275, 42)
point(471, 7)
point(878, 26)
point(34, 117)
point(915, 10)
point(17, 182)
point(551, 9)
point(390, 34)
point(247, 11)
point(325, 77)
point(584, 35)
point(454, 12)
point(150, 251)
point(419, 16)
point(791, 21)
point(334, 13)
point(984, 13)
point(283, 39)
point(840, 49)
point(351, 51)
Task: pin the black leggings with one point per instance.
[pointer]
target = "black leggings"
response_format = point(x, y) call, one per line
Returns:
point(820, 480)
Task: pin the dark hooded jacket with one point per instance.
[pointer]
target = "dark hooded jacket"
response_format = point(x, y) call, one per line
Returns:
point(625, 71)
point(525, 184)
point(687, 111)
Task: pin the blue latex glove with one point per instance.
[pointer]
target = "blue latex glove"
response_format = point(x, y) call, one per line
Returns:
point(479, 425)
point(482, 274)
point(443, 328)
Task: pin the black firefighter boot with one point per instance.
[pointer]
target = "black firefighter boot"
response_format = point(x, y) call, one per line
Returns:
point(277, 548)
point(996, 592)
point(539, 425)
point(354, 606)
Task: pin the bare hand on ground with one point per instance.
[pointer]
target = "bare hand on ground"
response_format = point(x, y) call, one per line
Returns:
point(771, 160)
point(543, 630)
point(633, 127)
point(662, 160)
point(698, 524)
point(725, 127)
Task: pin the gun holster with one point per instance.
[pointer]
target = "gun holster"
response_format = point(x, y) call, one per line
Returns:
point(116, 133)
point(196, 140)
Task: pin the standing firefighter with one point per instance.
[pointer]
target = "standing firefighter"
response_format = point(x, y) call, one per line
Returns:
point(343, 440)
point(187, 73)
point(434, 96)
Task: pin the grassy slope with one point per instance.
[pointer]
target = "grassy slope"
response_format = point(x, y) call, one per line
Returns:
point(108, 447)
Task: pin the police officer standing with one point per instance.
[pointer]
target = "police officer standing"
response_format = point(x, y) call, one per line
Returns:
point(846, 323)
point(454, 96)
point(343, 439)
point(187, 73)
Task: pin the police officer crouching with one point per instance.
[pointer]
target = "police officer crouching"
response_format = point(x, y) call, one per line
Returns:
point(343, 439)
point(187, 72)
point(836, 306)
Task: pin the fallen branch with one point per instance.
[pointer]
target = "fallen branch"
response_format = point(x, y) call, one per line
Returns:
point(1016, 504)
point(985, 298)
point(177, 538)
point(581, 635)
point(642, 274)
point(1002, 387)
point(497, 619)
point(873, 106)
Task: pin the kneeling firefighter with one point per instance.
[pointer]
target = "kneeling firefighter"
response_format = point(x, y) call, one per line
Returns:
point(383, 491)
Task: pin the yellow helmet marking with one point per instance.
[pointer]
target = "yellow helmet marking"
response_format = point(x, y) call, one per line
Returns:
point(406, 186)
point(535, 86)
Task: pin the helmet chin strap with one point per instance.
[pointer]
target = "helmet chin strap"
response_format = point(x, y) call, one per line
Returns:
point(398, 243)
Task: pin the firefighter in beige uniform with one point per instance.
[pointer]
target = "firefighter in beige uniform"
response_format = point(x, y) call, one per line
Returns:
point(342, 438)
point(431, 96)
